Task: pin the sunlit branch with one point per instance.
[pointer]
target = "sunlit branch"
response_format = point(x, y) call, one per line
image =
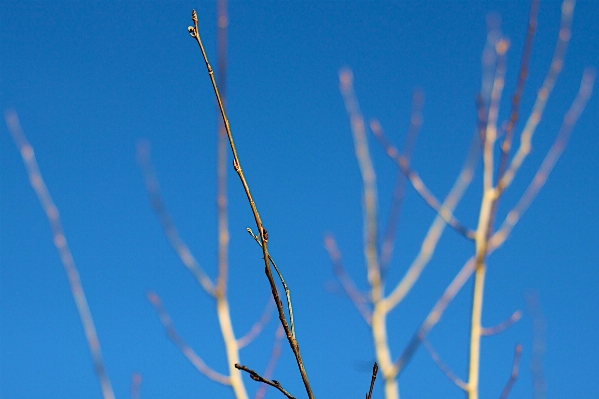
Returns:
point(272, 362)
point(417, 182)
point(368, 183)
point(442, 366)
point(60, 242)
point(258, 326)
point(542, 96)
point(153, 189)
point(187, 351)
point(570, 119)
point(349, 287)
point(514, 374)
point(507, 323)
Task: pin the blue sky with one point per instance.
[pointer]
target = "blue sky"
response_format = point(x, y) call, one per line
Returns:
point(89, 79)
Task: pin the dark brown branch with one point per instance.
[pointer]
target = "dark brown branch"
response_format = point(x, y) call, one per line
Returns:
point(257, 377)
point(375, 370)
point(195, 33)
point(507, 323)
point(514, 375)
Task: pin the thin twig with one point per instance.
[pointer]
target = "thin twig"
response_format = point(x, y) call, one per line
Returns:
point(257, 377)
point(375, 370)
point(60, 242)
point(272, 362)
point(442, 366)
point(349, 287)
point(135, 386)
point(514, 374)
point(170, 231)
point(287, 293)
point(195, 33)
point(539, 325)
point(258, 326)
point(507, 323)
point(187, 351)
point(417, 183)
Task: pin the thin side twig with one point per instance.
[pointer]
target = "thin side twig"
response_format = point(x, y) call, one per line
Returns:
point(257, 377)
point(195, 33)
point(135, 386)
point(185, 349)
point(539, 325)
point(272, 362)
point(60, 242)
point(375, 370)
point(514, 374)
point(170, 231)
point(349, 287)
point(442, 366)
point(258, 325)
point(507, 323)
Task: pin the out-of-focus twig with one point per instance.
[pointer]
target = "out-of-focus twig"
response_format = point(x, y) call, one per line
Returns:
point(272, 362)
point(514, 374)
point(187, 351)
point(60, 242)
point(539, 325)
point(258, 326)
point(442, 366)
point(507, 323)
point(135, 386)
point(349, 287)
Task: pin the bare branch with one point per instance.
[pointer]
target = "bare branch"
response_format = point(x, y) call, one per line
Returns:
point(570, 119)
point(514, 375)
point(417, 183)
point(257, 377)
point(368, 183)
point(539, 326)
point(170, 231)
point(195, 33)
point(443, 367)
point(60, 242)
point(258, 326)
point(187, 351)
point(375, 370)
point(272, 362)
point(356, 297)
point(135, 385)
point(510, 321)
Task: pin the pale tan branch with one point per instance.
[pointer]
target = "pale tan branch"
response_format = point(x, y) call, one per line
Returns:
point(542, 95)
point(187, 351)
point(514, 374)
point(417, 183)
point(368, 183)
point(170, 231)
point(434, 233)
point(507, 323)
point(387, 244)
point(258, 326)
point(60, 242)
point(195, 33)
point(443, 367)
point(349, 287)
point(272, 362)
point(257, 377)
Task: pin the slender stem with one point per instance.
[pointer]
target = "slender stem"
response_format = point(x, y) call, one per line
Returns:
point(195, 33)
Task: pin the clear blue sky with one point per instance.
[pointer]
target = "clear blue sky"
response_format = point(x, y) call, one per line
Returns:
point(88, 80)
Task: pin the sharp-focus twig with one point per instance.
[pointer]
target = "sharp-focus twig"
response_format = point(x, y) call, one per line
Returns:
point(153, 189)
point(514, 374)
point(187, 351)
point(375, 370)
point(60, 242)
point(135, 386)
point(417, 183)
point(258, 326)
point(195, 33)
point(287, 292)
point(442, 366)
point(349, 287)
point(507, 323)
point(272, 362)
point(257, 377)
